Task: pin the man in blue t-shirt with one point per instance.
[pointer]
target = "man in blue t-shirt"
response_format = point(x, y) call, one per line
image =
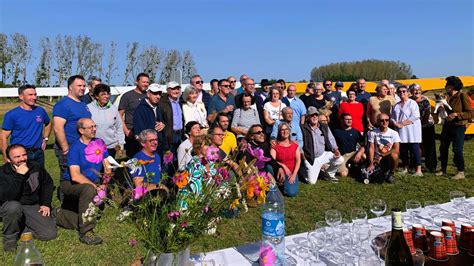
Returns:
point(350, 143)
point(81, 181)
point(24, 125)
point(66, 114)
point(150, 171)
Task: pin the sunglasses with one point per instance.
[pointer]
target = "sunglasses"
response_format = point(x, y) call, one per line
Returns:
point(402, 91)
point(225, 86)
point(383, 120)
point(175, 88)
point(258, 132)
point(199, 82)
point(329, 84)
point(232, 81)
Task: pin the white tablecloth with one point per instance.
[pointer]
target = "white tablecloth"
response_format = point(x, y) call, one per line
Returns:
point(247, 254)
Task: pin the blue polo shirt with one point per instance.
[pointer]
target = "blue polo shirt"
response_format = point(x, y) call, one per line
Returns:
point(71, 111)
point(152, 168)
point(217, 104)
point(26, 126)
point(77, 156)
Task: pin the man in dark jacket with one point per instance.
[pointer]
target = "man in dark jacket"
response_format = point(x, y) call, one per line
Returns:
point(319, 148)
point(147, 115)
point(26, 190)
point(172, 111)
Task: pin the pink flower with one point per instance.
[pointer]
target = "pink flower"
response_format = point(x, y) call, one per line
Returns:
point(168, 157)
point(174, 215)
point(95, 151)
point(132, 242)
point(99, 198)
point(258, 154)
point(206, 209)
point(184, 224)
point(212, 154)
point(224, 173)
point(267, 256)
point(139, 192)
point(106, 178)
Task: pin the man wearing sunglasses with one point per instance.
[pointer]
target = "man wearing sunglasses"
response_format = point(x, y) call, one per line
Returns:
point(203, 96)
point(384, 148)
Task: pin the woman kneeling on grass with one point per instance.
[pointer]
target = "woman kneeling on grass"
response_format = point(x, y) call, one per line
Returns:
point(287, 154)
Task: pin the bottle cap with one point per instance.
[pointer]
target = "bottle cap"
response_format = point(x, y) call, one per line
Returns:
point(26, 237)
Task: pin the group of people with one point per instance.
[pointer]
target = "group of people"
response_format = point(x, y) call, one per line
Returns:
point(321, 134)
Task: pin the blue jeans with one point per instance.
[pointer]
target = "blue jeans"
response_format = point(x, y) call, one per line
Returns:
point(454, 134)
point(410, 154)
point(290, 190)
point(36, 154)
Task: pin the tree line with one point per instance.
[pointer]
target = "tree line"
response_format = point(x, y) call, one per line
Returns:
point(66, 55)
point(368, 69)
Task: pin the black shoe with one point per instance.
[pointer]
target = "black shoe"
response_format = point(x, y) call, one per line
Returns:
point(390, 179)
point(9, 246)
point(324, 175)
point(90, 238)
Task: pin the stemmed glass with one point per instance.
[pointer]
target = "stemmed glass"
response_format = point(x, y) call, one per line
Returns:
point(413, 206)
point(333, 218)
point(378, 207)
point(317, 240)
point(457, 198)
point(358, 216)
point(432, 208)
point(363, 231)
point(378, 241)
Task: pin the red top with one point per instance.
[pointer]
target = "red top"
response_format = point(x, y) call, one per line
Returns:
point(286, 155)
point(356, 110)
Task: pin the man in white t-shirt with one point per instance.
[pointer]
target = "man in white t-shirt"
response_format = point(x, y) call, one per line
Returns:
point(384, 147)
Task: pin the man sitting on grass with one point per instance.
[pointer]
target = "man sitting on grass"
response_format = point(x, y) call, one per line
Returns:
point(26, 190)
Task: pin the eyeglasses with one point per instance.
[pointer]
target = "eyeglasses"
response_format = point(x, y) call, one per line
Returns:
point(285, 129)
point(232, 81)
point(250, 84)
point(175, 88)
point(90, 127)
point(402, 91)
point(199, 82)
point(225, 86)
point(328, 84)
point(258, 132)
point(151, 140)
point(348, 119)
point(323, 121)
point(219, 134)
point(383, 120)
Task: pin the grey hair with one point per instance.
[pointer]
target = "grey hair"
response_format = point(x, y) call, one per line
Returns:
point(144, 133)
point(188, 91)
point(81, 122)
point(93, 78)
point(285, 109)
point(414, 86)
point(391, 86)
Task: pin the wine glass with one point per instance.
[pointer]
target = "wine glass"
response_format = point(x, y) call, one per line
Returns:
point(378, 207)
point(333, 218)
point(378, 241)
point(358, 215)
point(413, 206)
point(457, 198)
point(317, 240)
point(432, 208)
point(363, 231)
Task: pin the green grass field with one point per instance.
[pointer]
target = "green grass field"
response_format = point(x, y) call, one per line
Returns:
point(301, 214)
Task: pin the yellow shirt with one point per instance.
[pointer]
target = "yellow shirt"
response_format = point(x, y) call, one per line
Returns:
point(229, 143)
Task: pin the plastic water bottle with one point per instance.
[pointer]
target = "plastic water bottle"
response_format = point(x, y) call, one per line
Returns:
point(273, 228)
point(28, 254)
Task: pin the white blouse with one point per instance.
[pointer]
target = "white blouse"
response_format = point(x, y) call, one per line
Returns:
point(409, 111)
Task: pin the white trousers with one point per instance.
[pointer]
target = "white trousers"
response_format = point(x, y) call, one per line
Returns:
point(312, 171)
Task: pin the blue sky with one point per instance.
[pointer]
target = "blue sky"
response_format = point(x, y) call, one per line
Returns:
point(266, 38)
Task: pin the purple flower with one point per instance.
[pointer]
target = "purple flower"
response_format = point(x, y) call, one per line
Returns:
point(206, 209)
point(258, 154)
point(174, 215)
point(224, 173)
point(106, 178)
point(99, 198)
point(267, 255)
point(212, 154)
point(94, 151)
point(139, 192)
point(168, 157)
point(184, 224)
point(132, 242)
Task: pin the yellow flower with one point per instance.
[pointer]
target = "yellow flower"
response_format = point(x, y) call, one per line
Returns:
point(234, 204)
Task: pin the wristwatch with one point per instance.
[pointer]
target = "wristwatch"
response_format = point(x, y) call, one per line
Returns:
point(46, 139)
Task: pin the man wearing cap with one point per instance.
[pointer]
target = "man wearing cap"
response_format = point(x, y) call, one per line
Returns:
point(193, 129)
point(319, 149)
point(128, 103)
point(28, 125)
point(172, 111)
point(148, 116)
point(265, 89)
point(203, 96)
point(299, 110)
point(339, 86)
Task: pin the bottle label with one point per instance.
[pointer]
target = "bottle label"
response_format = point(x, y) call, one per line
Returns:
point(273, 224)
point(397, 220)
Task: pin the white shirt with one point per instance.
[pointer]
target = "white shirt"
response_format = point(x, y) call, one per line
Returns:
point(383, 141)
point(409, 111)
point(184, 154)
point(275, 112)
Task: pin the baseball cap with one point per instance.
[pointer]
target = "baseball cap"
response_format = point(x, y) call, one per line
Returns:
point(172, 84)
point(339, 84)
point(155, 88)
point(312, 110)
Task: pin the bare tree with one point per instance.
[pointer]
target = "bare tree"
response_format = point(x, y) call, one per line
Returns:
point(5, 56)
point(149, 61)
point(132, 61)
point(20, 57)
point(109, 74)
point(64, 56)
point(89, 57)
point(171, 63)
point(43, 70)
point(188, 67)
